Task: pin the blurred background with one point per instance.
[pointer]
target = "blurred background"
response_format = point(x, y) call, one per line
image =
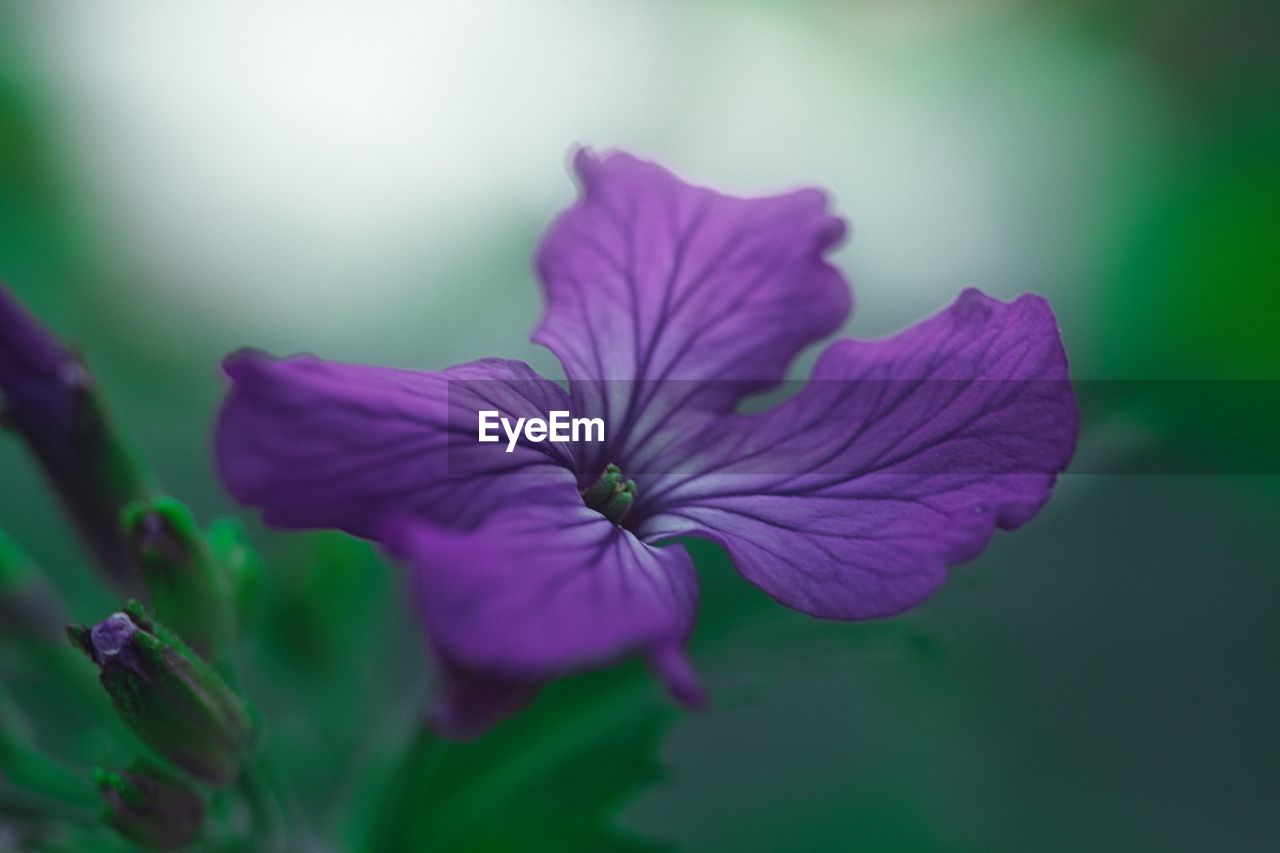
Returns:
point(367, 182)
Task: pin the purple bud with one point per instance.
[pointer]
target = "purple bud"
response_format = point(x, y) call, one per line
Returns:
point(171, 698)
point(48, 397)
point(151, 806)
point(39, 377)
point(189, 589)
point(110, 636)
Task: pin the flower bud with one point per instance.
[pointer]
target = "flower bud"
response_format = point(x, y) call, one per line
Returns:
point(150, 806)
point(171, 698)
point(49, 398)
point(188, 587)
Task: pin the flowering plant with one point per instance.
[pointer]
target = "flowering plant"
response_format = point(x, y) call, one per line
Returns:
point(552, 545)
point(667, 305)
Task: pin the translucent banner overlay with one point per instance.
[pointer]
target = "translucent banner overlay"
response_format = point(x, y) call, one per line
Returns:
point(848, 428)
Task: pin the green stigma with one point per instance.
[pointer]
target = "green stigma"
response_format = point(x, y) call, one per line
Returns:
point(610, 495)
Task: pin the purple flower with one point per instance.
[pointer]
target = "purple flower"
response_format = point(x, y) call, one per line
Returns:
point(667, 304)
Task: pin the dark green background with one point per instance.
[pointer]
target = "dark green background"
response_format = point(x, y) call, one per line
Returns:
point(1104, 679)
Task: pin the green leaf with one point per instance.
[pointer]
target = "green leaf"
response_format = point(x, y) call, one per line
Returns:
point(551, 778)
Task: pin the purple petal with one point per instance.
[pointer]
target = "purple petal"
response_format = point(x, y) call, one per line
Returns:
point(110, 636)
point(897, 460)
point(649, 279)
point(320, 444)
point(541, 591)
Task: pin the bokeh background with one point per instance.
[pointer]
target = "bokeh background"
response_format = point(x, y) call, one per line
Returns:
point(366, 181)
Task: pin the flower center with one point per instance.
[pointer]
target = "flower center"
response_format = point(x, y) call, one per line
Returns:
point(610, 495)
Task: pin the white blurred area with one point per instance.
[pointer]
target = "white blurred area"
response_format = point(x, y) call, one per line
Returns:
point(304, 172)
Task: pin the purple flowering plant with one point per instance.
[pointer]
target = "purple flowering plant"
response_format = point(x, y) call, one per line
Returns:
point(668, 305)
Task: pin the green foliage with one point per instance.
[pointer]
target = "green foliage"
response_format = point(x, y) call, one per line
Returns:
point(1194, 292)
point(552, 778)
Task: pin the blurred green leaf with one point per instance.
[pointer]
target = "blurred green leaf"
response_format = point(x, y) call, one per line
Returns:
point(552, 778)
point(1195, 298)
point(1194, 294)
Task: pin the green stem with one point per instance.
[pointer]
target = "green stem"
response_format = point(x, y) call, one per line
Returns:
point(266, 820)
